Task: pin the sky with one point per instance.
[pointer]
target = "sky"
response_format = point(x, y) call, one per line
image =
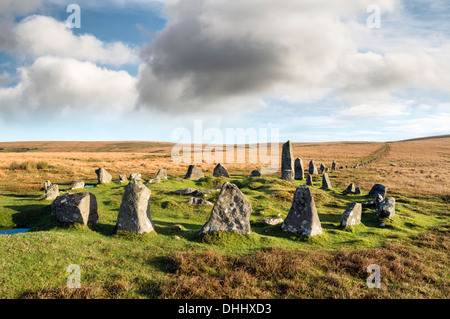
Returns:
point(139, 70)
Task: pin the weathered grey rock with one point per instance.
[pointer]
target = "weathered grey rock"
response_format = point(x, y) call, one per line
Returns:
point(270, 221)
point(326, 183)
point(287, 157)
point(350, 189)
point(333, 166)
point(386, 208)
point(220, 171)
point(123, 178)
point(203, 192)
point(162, 174)
point(186, 191)
point(309, 181)
point(135, 177)
point(77, 185)
point(47, 185)
point(52, 192)
point(194, 172)
point(378, 189)
point(255, 173)
point(287, 175)
point(75, 208)
point(302, 218)
point(322, 168)
point(352, 215)
point(198, 201)
point(134, 212)
point(313, 168)
point(103, 176)
point(357, 191)
point(299, 169)
point(231, 212)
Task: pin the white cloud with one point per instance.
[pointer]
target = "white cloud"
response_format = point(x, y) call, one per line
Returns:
point(434, 124)
point(376, 110)
point(40, 35)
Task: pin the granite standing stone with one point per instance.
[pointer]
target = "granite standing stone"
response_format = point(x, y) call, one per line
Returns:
point(357, 191)
point(322, 168)
point(123, 178)
point(299, 169)
point(287, 175)
point(75, 208)
point(386, 209)
point(194, 172)
point(352, 215)
point(309, 181)
point(47, 185)
point(313, 168)
point(134, 212)
point(52, 192)
point(103, 176)
point(162, 174)
point(350, 189)
point(135, 177)
point(77, 185)
point(378, 189)
point(302, 218)
point(326, 181)
point(287, 157)
point(231, 212)
point(333, 166)
point(220, 171)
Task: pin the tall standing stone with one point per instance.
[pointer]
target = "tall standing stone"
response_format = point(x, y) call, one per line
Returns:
point(75, 208)
point(313, 168)
point(352, 215)
point(322, 168)
point(333, 166)
point(103, 176)
point(299, 169)
point(351, 189)
point(231, 212)
point(309, 181)
point(194, 172)
point(287, 157)
point(162, 174)
point(326, 181)
point(134, 211)
point(303, 219)
point(220, 171)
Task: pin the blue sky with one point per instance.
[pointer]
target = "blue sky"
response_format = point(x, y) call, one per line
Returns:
point(138, 70)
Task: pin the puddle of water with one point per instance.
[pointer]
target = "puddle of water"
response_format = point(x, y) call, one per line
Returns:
point(14, 231)
point(89, 185)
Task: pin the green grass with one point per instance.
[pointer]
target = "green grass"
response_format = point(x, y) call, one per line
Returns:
point(121, 265)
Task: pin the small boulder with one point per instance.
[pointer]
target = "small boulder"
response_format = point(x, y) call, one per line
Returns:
point(47, 185)
point(357, 191)
point(123, 178)
point(351, 189)
point(220, 171)
point(386, 209)
point(134, 212)
point(77, 185)
point(103, 176)
point(162, 174)
point(352, 215)
point(303, 219)
point(255, 173)
point(270, 221)
point(194, 172)
point(231, 212)
point(378, 189)
point(333, 166)
point(135, 177)
point(75, 208)
point(52, 192)
point(198, 201)
point(186, 191)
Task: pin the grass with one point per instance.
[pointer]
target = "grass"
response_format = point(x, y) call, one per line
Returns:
point(176, 262)
point(26, 166)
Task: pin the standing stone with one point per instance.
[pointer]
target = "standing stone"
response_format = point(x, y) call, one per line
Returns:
point(47, 185)
point(313, 168)
point(287, 157)
point(52, 192)
point(322, 168)
point(287, 175)
point(333, 166)
point(231, 212)
point(378, 189)
point(134, 211)
point(309, 181)
point(386, 209)
point(352, 215)
point(162, 174)
point(77, 185)
point(220, 171)
point(135, 177)
point(302, 218)
point(103, 176)
point(326, 181)
point(299, 169)
point(194, 172)
point(255, 173)
point(351, 189)
point(357, 191)
point(123, 178)
point(75, 208)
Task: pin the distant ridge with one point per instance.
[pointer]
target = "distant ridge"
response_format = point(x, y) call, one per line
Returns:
point(425, 138)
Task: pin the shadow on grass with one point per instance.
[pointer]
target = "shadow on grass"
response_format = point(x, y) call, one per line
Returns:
point(36, 217)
